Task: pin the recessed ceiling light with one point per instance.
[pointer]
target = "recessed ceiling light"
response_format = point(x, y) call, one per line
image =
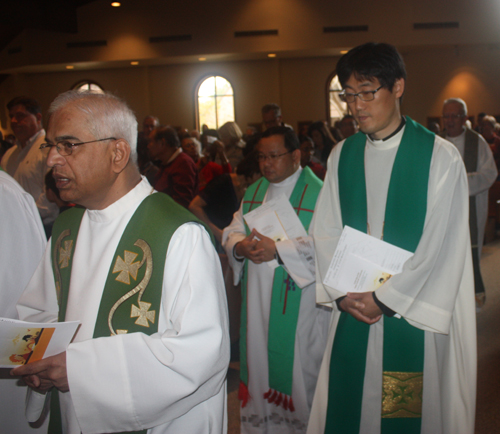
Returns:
point(271, 55)
point(116, 4)
point(135, 62)
point(70, 67)
point(343, 51)
point(202, 59)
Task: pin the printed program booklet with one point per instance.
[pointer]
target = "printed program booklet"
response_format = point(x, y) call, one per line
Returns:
point(362, 263)
point(26, 342)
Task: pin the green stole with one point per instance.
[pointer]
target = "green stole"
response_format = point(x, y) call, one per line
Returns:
point(403, 352)
point(285, 299)
point(122, 308)
point(471, 150)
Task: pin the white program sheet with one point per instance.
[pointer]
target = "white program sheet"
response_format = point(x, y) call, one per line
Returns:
point(363, 263)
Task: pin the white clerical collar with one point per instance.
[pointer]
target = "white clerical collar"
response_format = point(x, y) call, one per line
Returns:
point(122, 205)
point(388, 143)
point(292, 179)
point(456, 139)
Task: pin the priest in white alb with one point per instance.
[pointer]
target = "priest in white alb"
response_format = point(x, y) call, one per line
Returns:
point(401, 359)
point(141, 275)
point(283, 331)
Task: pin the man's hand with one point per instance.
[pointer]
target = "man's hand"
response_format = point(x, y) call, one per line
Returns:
point(362, 307)
point(256, 247)
point(268, 247)
point(45, 374)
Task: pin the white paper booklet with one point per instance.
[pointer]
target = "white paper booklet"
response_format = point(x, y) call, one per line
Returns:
point(363, 263)
point(276, 219)
point(25, 342)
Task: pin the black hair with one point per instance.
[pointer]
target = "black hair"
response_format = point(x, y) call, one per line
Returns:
point(249, 166)
point(291, 139)
point(169, 134)
point(30, 104)
point(372, 60)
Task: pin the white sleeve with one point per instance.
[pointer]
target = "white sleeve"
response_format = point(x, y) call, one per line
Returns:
point(486, 173)
point(425, 292)
point(232, 235)
point(23, 242)
point(298, 259)
point(134, 381)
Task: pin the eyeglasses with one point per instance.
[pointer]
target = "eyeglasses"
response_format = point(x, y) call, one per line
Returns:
point(273, 157)
point(65, 147)
point(453, 116)
point(366, 95)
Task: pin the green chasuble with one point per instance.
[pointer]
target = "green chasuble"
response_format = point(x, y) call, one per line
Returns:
point(132, 294)
point(403, 352)
point(285, 299)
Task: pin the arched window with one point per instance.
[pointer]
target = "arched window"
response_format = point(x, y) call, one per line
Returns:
point(88, 85)
point(337, 108)
point(215, 102)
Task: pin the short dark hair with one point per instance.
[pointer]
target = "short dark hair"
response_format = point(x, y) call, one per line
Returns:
point(169, 134)
point(372, 60)
point(249, 166)
point(30, 104)
point(291, 139)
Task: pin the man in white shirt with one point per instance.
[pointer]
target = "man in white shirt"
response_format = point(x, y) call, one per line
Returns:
point(401, 359)
point(283, 331)
point(481, 174)
point(25, 162)
point(143, 278)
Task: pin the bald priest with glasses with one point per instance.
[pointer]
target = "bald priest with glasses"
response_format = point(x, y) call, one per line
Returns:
point(400, 359)
point(141, 275)
point(283, 331)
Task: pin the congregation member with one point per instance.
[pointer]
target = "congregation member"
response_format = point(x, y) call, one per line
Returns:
point(146, 166)
point(271, 116)
point(178, 175)
point(141, 275)
point(24, 161)
point(307, 157)
point(323, 140)
point(348, 126)
point(401, 359)
point(232, 138)
point(283, 331)
point(23, 244)
point(481, 174)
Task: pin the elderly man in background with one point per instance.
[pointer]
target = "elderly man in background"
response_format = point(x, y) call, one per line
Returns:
point(25, 162)
point(481, 174)
point(141, 275)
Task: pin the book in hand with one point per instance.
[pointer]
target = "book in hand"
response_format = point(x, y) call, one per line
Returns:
point(26, 342)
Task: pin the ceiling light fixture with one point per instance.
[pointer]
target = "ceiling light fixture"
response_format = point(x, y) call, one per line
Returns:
point(116, 4)
point(70, 67)
point(202, 59)
point(271, 55)
point(134, 62)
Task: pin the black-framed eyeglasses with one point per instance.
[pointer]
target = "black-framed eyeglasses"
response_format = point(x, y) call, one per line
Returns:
point(273, 157)
point(365, 95)
point(65, 147)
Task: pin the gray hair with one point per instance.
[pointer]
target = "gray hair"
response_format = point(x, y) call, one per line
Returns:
point(230, 133)
point(271, 107)
point(106, 115)
point(458, 101)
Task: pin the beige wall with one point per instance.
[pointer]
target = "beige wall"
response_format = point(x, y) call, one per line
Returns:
point(298, 85)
